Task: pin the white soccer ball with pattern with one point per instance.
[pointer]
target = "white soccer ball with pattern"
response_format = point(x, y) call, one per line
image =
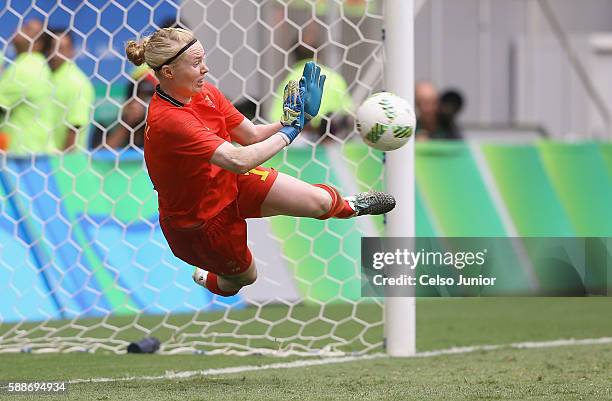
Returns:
point(385, 121)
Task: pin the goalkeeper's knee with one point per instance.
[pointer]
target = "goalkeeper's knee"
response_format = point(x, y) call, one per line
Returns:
point(248, 277)
point(243, 280)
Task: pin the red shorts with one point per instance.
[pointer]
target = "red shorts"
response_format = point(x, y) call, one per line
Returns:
point(219, 245)
point(253, 187)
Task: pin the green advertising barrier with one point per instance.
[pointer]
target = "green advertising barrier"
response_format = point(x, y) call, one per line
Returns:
point(457, 196)
point(99, 188)
point(102, 250)
point(606, 153)
point(527, 191)
point(554, 190)
point(579, 174)
point(454, 191)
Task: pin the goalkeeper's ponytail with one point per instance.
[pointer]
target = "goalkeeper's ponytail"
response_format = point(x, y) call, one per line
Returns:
point(157, 49)
point(136, 51)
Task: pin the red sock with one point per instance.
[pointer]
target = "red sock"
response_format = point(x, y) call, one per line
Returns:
point(340, 207)
point(211, 284)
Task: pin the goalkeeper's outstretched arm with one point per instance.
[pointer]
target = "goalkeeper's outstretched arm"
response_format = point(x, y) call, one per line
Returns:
point(247, 133)
point(242, 159)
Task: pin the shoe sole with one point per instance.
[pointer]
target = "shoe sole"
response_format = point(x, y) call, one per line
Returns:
point(379, 203)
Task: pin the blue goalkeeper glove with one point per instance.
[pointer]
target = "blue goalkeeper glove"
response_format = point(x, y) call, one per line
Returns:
point(313, 82)
point(290, 111)
point(293, 119)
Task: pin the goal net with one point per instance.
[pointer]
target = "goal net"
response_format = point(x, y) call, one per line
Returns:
point(83, 263)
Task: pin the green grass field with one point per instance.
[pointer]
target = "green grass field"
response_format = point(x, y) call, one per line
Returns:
point(557, 373)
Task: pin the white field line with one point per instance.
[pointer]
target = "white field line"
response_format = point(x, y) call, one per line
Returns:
point(171, 375)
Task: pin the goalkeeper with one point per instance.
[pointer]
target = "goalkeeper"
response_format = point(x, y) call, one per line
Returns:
point(206, 186)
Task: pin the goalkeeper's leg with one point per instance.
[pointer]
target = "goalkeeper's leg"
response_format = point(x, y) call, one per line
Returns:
point(289, 196)
point(218, 249)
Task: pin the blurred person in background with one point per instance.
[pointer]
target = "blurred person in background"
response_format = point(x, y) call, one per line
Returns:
point(26, 90)
point(247, 108)
point(427, 105)
point(73, 92)
point(129, 131)
point(436, 115)
point(336, 103)
point(451, 104)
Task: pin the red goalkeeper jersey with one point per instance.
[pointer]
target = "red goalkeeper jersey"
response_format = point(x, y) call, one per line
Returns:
point(179, 141)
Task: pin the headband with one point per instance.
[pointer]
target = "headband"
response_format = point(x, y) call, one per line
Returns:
point(171, 59)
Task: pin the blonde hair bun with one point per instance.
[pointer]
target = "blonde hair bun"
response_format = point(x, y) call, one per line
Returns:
point(136, 51)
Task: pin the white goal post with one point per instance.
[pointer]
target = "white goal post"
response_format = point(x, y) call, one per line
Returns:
point(400, 312)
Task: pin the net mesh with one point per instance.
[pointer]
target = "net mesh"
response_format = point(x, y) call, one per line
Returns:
point(83, 263)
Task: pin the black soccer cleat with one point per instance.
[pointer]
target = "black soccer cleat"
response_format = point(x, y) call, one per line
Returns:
point(372, 202)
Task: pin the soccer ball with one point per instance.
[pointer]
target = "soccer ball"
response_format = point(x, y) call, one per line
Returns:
point(385, 121)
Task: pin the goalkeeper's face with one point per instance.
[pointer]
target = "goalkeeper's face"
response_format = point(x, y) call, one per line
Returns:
point(189, 71)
